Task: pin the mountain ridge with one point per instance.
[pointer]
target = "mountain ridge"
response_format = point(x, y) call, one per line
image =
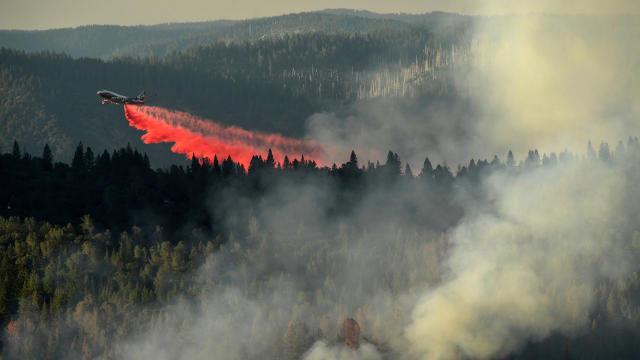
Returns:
point(109, 41)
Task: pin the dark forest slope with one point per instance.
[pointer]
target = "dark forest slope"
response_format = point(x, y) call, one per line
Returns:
point(270, 85)
point(52, 98)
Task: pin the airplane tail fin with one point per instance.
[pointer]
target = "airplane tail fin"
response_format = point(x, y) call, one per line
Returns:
point(143, 95)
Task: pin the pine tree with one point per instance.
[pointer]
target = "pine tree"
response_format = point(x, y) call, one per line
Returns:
point(393, 163)
point(407, 171)
point(270, 162)
point(195, 164)
point(47, 158)
point(78, 162)
point(495, 163)
point(603, 153)
point(533, 158)
point(89, 159)
point(427, 169)
point(216, 166)
point(511, 162)
point(147, 162)
point(353, 160)
point(228, 167)
point(16, 150)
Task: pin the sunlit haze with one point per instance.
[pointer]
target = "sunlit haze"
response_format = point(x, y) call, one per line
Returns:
point(42, 14)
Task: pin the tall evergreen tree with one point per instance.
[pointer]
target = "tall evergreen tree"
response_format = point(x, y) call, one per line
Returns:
point(603, 153)
point(16, 150)
point(427, 169)
point(228, 167)
point(495, 162)
point(78, 162)
point(407, 171)
point(353, 160)
point(89, 160)
point(511, 162)
point(47, 158)
point(393, 164)
point(216, 166)
point(270, 163)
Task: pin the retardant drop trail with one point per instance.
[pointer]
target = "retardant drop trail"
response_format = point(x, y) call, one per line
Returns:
point(205, 138)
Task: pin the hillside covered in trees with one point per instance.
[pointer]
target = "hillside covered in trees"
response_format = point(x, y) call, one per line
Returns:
point(273, 85)
point(264, 83)
point(106, 257)
point(115, 249)
point(105, 42)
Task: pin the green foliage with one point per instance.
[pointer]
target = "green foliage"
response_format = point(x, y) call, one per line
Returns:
point(268, 84)
point(65, 285)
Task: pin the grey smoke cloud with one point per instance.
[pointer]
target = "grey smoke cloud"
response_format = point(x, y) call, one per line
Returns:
point(555, 81)
point(292, 269)
point(321, 351)
point(529, 265)
point(438, 129)
point(522, 263)
point(526, 81)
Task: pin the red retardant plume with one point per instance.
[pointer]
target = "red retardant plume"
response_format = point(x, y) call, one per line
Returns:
point(204, 138)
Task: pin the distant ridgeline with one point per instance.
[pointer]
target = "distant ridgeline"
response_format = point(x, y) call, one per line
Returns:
point(266, 74)
point(107, 41)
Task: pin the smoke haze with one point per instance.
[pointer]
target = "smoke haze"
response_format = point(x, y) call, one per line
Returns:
point(554, 81)
point(294, 270)
point(525, 259)
point(473, 268)
point(527, 266)
point(320, 351)
point(521, 82)
point(524, 262)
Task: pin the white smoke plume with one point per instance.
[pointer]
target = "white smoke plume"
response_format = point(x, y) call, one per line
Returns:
point(549, 75)
point(552, 81)
point(290, 282)
point(527, 266)
point(523, 263)
point(321, 351)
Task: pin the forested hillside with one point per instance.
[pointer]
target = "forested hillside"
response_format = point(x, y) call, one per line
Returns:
point(115, 249)
point(55, 96)
point(103, 41)
point(120, 189)
point(109, 258)
point(158, 40)
point(270, 85)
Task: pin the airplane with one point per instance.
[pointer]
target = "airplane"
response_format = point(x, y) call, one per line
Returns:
point(110, 97)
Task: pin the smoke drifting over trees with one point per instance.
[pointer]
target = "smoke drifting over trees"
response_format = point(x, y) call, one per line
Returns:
point(431, 266)
point(510, 256)
point(515, 82)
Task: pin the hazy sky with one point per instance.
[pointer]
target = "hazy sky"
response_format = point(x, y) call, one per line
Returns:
point(44, 14)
